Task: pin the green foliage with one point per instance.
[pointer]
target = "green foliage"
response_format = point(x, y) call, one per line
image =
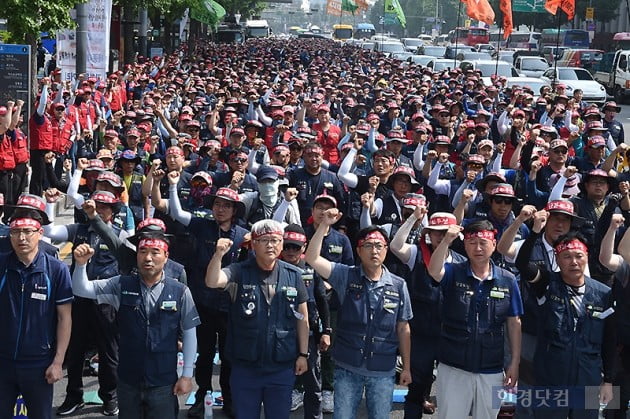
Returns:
point(35, 16)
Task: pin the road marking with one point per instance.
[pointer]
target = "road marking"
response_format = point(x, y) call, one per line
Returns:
point(65, 251)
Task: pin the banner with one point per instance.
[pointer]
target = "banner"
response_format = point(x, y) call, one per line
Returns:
point(333, 7)
point(508, 26)
point(182, 26)
point(529, 6)
point(99, 16)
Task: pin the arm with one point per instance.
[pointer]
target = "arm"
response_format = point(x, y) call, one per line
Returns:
point(504, 124)
point(370, 144)
point(418, 153)
point(440, 186)
point(514, 334)
point(64, 326)
point(404, 347)
point(506, 246)
point(189, 348)
point(43, 101)
point(73, 188)
point(52, 231)
point(558, 188)
point(349, 179)
point(81, 287)
point(606, 251)
point(436, 266)
point(215, 277)
point(175, 207)
point(313, 253)
point(624, 246)
point(301, 365)
point(399, 245)
point(252, 164)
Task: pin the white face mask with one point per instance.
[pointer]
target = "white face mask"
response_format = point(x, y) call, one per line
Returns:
point(268, 192)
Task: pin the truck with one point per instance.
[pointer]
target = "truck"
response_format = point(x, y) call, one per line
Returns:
point(613, 73)
point(257, 29)
point(230, 34)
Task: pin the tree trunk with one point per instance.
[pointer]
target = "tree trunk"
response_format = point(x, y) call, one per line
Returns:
point(31, 39)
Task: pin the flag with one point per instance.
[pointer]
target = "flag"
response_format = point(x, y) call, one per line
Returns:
point(568, 6)
point(480, 10)
point(362, 4)
point(393, 7)
point(333, 7)
point(506, 8)
point(349, 6)
point(208, 11)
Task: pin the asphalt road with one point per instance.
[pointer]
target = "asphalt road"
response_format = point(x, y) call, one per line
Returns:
point(91, 383)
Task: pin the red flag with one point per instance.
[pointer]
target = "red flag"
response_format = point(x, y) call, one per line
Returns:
point(480, 10)
point(506, 8)
point(552, 6)
point(568, 6)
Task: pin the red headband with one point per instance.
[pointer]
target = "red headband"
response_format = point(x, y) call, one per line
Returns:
point(154, 243)
point(174, 150)
point(574, 244)
point(25, 222)
point(292, 235)
point(483, 234)
point(375, 235)
point(152, 222)
point(275, 232)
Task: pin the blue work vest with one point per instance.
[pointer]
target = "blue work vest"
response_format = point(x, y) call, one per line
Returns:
point(260, 335)
point(104, 263)
point(135, 196)
point(472, 336)
point(365, 335)
point(570, 345)
point(529, 322)
point(426, 298)
point(148, 345)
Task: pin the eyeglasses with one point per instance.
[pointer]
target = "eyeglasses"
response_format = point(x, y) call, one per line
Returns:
point(475, 166)
point(239, 160)
point(192, 129)
point(195, 183)
point(292, 247)
point(18, 233)
point(560, 150)
point(267, 242)
point(373, 245)
point(504, 201)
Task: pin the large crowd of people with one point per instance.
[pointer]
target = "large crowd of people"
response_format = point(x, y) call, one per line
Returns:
point(329, 220)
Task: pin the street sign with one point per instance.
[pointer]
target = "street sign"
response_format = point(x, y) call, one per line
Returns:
point(467, 23)
point(590, 12)
point(530, 6)
point(15, 75)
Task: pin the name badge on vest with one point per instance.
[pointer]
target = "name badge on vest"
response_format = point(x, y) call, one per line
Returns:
point(169, 306)
point(39, 296)
point(291, 292)
point(335, 249)
point(497, 294)
point(328, 185)
point(389, 306)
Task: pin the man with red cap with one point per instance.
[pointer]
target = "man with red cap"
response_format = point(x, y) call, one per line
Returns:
point(154, 313)
point(35, 297)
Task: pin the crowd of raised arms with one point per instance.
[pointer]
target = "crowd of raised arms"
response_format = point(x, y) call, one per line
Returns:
point(327, 219)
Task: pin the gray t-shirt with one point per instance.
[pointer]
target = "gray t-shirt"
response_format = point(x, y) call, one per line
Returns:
point(108, 292)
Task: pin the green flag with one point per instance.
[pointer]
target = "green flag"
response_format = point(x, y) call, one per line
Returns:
point(207, 11)
point(393, 7)
point(349, 6)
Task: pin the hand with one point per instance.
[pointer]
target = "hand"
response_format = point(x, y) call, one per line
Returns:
point(443, 158)
point(569, 171)
point(431, 155)
point(82, 163)
point(82, 254)
point(52, 195)
point(54, 373)
point(605, 393)
point(527, 212)
point(158, 175)
point(89, 206)
point(19, 103)
point(155, 164)
point(366, 200)
point(360, 159)
point(624, 187)
point(511, 375)
point(301, 365)
point(223, 246)
point(10, 105)
point(290, 194)
point(540, 220)
point(622, 148)
point(467, 195)
point(405, 378)
point(452, 233)
point(346, 119)
point(182, 386)
point(374, 181)
point(331, 216)
point(470, 138)
point(535, 167)
point(237, 179)
point(616, 221)
point(49, 157)
point(173, 177)
point(67, 165)
point(324, 343)
point(470, 176)
point(419, 212)
point(501, 148)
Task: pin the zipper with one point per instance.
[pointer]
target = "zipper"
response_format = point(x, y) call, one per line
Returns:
point(19, 335)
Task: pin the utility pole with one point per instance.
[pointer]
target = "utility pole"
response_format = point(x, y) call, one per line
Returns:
point(82, 23)
point(142, 33)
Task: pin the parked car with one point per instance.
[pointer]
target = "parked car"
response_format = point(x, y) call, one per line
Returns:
point(614, 73)
point(506, 55)
point(489, 48)
point(576, 78)
point(434, 51)
point(534, 83)
point(389, 47)
point(423, 60)
point(441, 64)
point(552, 53)
point(412, 44)
point(583, 58)
point(489, 68)
point(531, 66)
point(466, 55)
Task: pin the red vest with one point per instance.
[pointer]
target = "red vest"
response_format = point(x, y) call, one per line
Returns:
point(7, 161)
point(61, 136)
point(41, 135)
point(329, 141)
point(20, 148)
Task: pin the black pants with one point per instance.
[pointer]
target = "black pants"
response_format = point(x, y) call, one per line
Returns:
point(97, 321)
point(38, 166)
point(311, 381)
point(213, 328)
point(423, 357)
point(19, 181)
point(622, 379)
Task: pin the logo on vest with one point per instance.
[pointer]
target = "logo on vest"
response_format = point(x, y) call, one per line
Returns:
point(335, 249)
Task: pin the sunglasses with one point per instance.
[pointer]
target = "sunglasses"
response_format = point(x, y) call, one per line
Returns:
point(560, 150)
point(195, 183)
point(239, 160)
point(506, 201)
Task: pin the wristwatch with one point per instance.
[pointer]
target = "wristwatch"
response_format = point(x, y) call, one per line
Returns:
point(327, 331)
point(302, 354)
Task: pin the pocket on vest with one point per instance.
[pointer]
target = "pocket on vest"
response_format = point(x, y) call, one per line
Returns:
point(286, 346)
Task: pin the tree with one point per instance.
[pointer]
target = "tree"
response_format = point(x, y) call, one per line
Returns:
point(27, 18)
